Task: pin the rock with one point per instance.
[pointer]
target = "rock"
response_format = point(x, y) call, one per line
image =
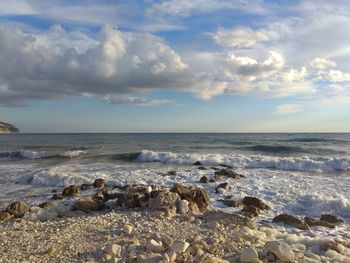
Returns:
point(202, 168)
point(155, 246)
point(230, 203)
point(314, 222)
point(249, 200)
point(46, 204)
point(70, 191)
point(171, 173)
point(85, 187)
point(204, 180)
point(149, 258)
point(198, 196)
point(57, 197)
point(215, 168)
point(131, 200)
point(171, 256)
point(331, 245)
point(213, 259)
point(183, 206)
point(163, 199)
point(193, 208)
point(181, 189)
point(169, 211)
point(250, 255)
point(17, 209)
point(250, 211)
point(212, 180)
point(113, 249)
point(100, 183)
point(198, 163)
point(291, 220)
point(221, 186)
point(281, 250)
point(128, 229)
point(179, 247)
point(5, 216)
point(88, 204)
point(331, 219)
point(228, 173)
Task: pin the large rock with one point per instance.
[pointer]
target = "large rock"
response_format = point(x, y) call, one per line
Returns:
point(253, 201)
point(70, 191)
point(5, 216)
point(131, 200)
point(198, 196)
point(291, 220)
point(18, 209)
point(100, 183)
point(249, 255)
point(163, 199)
point(88, 204)
point(331, 219)
point(228, 173)
point(281, 250)
point(204, 179)
point(182, 190)
point(250, 211)
point(8, 128)
point(224, 186)
point(315, 222)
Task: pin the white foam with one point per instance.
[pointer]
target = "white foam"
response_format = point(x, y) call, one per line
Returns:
point(32, 155)
point(74, 153)
point(304, 163)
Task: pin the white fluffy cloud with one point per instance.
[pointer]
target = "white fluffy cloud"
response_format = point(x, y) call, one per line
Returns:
point(322, 63)
point(36, 66)
point(287, 109)
point(239, 38)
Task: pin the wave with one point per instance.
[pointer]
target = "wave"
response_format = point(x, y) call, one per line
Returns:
point(307, 139)
point(304, 163)
point(35, 155)
point(274, 148)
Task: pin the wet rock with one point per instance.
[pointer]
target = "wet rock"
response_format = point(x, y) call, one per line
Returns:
point(198, 163)
point(46, 204)
point(253, 201)
point(100, 183)
point(198, 196)
point(331, 219)
point(70, 191)
point(18, 209)
point(315, 222)
point(230, 203)
point(291, 220)
point(281, 250)
point(212, 180)
point(57, 197)
point(221, 186)
point(88, 204)
point(163, 199)
point(250, 211)
point(5, 216)
point(171, 173)
point(149, 258)
point(204, 180)
point(250, 255)
point(202, 168)
point(85, 187)
point(214, 168)
point(183, 207)
point(228, 173)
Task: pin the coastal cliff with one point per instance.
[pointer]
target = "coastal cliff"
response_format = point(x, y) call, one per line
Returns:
point(8, 128)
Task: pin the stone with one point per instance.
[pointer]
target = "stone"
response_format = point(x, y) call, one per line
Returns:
point(88, 204)
point(331, 219)
point(70, 191)
point(113, 249)
point(281, 250)
point(250, 211)
point(213, 259)
point(128, 229)
point(99, 183)
point(198, 196)
point(181, 189)
point(249, 200)
point(228, 173)
point(198, 163)
point(163, 212)
point(164, 198)
point(202, 168)
point(154, 246)
point(131, 200)
point(171, 173)
point(18, 209)
point(193, 208)
point(183, 206)
point(57, 197)
point(221, 186)
point(291, 220)
point(46, 204)
point(331, 245)
point(149, 258)
point(230, 203)
point(204, 180)
point(315, 222)
point(179, 247)
point(5, 216)
point(85, 187)
point(250, 255)
point(171, 256)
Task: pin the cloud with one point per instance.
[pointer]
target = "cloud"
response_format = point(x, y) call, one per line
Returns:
point(322, 63)
point(239, 38)
point(287, 109)
point(36, 66)
point(124, 99)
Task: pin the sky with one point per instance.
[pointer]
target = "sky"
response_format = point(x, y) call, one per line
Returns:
point(175, 65)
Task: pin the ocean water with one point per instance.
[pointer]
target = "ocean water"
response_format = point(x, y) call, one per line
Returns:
point(300, 174)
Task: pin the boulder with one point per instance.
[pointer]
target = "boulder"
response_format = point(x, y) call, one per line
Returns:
point(183, 206)
point(193, 208)
point(182, 190)
point(100, 183)
point(171, 173)
point(291, 220)
point(331, 219)
point(70, 191)
point(250, 211)
point(230, 203)
point(131, 200)
point(253, 201)
point(163, 199)
point(18, 209)
point(221, 186)
point(281, 250)
point(46, 204)
point(198, 163)
point(88, 204)
point(204, 180)
point(228, 173)
point(57, 197)
point(198, 196)
point(5, 216)
point(315, 222)
point(249, 255)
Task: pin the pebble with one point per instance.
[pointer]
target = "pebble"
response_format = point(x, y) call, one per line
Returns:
point(149, 258)
point(249, 254)
point(155, 246)
point(179, 247)
point(128, 229)
point(113, 249)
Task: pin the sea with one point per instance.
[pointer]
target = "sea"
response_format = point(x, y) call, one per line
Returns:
point(303, 174)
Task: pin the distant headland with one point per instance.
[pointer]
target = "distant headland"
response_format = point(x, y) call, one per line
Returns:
point(8, 128)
